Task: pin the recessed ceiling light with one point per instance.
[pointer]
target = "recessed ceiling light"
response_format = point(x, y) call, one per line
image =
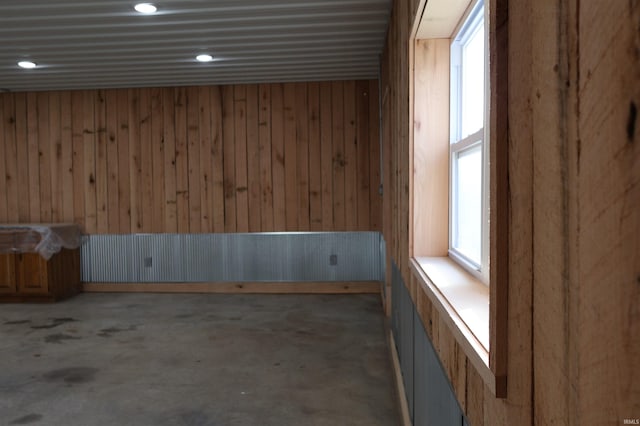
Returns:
point(27, 64)
point(204, 58)
point(146, 8)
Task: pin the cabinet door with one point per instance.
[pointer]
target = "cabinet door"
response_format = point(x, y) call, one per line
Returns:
point(31, 270)
point(7, 273)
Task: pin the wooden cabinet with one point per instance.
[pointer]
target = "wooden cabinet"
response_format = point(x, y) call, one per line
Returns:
point(27, 277)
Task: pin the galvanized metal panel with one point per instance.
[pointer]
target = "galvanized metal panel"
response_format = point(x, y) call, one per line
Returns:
point(396, 282)
point(402, 326)
point(100, 44)
point(430, 397)
point(232, 257)
point(435, 403)
point(407, 345)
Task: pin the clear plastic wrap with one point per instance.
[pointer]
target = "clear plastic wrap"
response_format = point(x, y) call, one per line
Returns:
point(45, 239)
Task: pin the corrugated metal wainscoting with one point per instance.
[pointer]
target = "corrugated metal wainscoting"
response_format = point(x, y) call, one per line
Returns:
point(268, 257)
point(430, 398)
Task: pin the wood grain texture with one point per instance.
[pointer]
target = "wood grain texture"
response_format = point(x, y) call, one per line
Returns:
point(572, 168)
point(431, 148)
point(604, 168)
point(244, 158)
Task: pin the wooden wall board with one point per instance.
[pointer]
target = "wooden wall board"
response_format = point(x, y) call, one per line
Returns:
point(135, 166)
point(256, 158)
point(240, 144)
point(67, 157)
point(194, 184)
point(170, 224)
point(101, 176)
point(350, 156)
point(205, 150)
point(157, 159)
point(265, 155)
point(254, 181)
point(375, 152)
point(113, 200)
point(572, 165)
point(228, 130)
point(290, 157)
point(34, 156)
point(10, 152)
point(314, 158)
point(77, 148)
point(301, 112)
point(363, 178)
point(277, 157)
point(604, 168)
point(89, 166)
point(182, 160)
point(217, 163)
point(338, 158)
point(123, 169)
point(326, 163)
point(54, 147)
point(22, 159)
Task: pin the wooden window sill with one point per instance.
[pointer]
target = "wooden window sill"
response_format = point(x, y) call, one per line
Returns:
point(463, 303)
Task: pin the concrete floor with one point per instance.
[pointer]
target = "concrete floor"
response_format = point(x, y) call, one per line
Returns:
point(196, 360)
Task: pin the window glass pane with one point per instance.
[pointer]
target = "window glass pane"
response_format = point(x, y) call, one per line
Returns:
point(468, 203)
point(473, 81)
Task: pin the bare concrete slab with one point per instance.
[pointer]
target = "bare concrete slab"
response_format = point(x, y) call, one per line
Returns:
point(196, 360)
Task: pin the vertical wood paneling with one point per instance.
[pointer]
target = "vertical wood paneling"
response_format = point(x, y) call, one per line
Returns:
point(123, 168)
point(34, 157)
point(326, 151)
point(240, 143)
point(135, 166)
point(375, 198)
point(11, 152)
point(193, 155)
point(350, 156)
point(217, 160)
point(362, 156)
point(181, 160)
point(113, 204)
point(22, 158)
point(338, 159)
point(101, 176)
point(3, 162)
point(315, 171)
point(266, 177)
point(206, 161)
point(302, 152)
point(277, 156)
point(77, 141)
point(290, 158)
point(573, 195)
point(67, 158)
point(146, 160)
point(253, 160)
point(54, 145)
point(169, 171)
point(249, 158)
point(228, 131)
point(157, 159)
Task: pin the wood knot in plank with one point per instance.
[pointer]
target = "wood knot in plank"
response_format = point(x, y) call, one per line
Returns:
point(631, 122)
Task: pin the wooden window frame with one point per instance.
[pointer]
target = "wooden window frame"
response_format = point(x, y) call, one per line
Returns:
point(447, 285)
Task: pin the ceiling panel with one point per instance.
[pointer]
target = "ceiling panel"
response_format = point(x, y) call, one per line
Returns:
point(99, 44)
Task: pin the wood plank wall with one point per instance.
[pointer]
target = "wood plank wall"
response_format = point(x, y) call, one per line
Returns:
point(245, 158)
point(574, 200)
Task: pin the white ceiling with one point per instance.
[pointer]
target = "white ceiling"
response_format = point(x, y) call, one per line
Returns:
point(105, 43)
